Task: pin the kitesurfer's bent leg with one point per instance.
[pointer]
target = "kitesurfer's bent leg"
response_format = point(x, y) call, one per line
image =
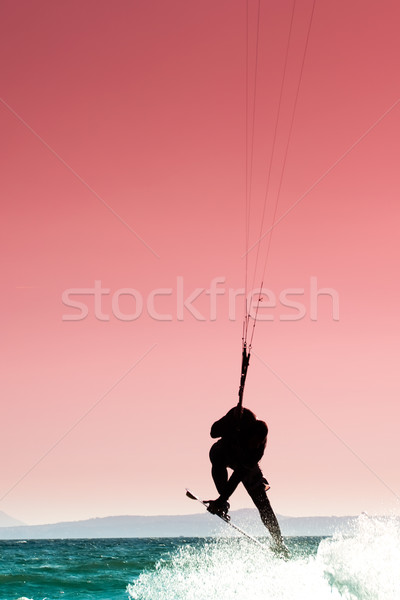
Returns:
point(219, 462)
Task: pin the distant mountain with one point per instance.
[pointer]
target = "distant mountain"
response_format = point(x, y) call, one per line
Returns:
point(196, 525)
point(7, 521)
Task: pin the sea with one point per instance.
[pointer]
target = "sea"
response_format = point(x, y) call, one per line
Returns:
point(363, 564)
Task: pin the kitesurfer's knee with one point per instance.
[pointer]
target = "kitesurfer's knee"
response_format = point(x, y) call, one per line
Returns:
point(218, 454)
point(254, 482)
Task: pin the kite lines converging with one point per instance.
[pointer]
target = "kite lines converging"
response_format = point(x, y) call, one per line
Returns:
point(262, 254)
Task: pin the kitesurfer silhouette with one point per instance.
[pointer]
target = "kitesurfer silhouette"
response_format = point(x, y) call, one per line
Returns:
point(241, 447)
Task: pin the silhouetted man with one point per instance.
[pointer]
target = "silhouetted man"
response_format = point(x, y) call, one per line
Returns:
point(242, 444)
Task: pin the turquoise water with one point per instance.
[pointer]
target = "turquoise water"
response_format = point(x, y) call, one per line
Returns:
point(364, 565)
point(71, 569)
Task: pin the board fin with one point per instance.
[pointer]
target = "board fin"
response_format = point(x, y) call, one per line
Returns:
point(190, 495)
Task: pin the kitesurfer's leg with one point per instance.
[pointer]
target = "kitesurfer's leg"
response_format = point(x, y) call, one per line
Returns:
point(267, 515)
point(219, 471)
point(219, 464)
point(256, 485)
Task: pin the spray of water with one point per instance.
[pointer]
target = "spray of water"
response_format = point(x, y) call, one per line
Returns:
point(363, 565)
point(228, 569)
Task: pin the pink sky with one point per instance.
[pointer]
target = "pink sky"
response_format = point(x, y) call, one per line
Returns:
point(139, 107)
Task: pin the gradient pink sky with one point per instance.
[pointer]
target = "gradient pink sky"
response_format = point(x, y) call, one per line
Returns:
point(143, 104)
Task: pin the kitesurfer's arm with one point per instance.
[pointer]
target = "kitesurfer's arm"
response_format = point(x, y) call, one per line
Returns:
point(255, 445)
point(253, 454)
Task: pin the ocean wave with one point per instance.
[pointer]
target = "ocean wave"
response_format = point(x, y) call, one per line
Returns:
point(363, 565)
point(226, 569)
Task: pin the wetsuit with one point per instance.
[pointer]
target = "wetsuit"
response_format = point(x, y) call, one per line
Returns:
point(242, 445)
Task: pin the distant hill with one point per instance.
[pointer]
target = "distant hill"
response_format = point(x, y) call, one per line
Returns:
point(196, 525)
point(7, 521)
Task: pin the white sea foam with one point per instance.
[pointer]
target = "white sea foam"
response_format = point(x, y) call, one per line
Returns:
point(364, 565)
point(360, 566)
point(229, 569)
